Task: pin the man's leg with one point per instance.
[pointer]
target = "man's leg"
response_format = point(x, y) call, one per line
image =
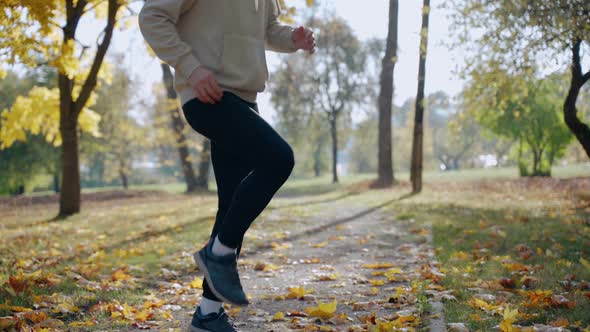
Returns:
point(236, 127)
point(229, 171)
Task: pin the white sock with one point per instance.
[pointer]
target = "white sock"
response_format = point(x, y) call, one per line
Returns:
point(208, 306)
point(221, 249)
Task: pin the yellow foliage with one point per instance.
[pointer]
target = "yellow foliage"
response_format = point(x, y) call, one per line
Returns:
point(38, 113)
point(66, 61)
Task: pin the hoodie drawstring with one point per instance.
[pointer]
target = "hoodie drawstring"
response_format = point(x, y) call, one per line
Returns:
point(256, 4)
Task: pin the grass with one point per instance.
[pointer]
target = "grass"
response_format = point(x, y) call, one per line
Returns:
point(534, 235)
point(476, 227)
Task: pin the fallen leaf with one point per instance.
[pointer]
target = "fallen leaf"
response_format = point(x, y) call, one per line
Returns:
point(196, 283)
point(278, 316)
point(323, 310)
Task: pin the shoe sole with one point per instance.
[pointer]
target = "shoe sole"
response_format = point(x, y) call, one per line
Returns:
point(196, 329)
point(203, 268)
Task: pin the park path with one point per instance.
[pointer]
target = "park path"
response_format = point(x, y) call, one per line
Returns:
point(329, 253)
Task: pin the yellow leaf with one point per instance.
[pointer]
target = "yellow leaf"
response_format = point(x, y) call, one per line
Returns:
point(278, 316)
point(143, 315)
point(323, 310)
point(319, 245)
point(197, 283)
point(80, 324)
point(120, 275)
point(377, 266)
point(585, 263)
point(375, 282)
point(483, 305)
point(297, 292)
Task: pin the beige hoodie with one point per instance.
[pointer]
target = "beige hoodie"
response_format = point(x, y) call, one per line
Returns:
point(228, 37)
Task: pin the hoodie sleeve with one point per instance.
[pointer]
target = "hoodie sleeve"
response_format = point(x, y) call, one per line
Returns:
point(278, 36)
point(157, 23)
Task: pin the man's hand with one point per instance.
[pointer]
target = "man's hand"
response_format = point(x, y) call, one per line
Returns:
point(303, 39)
point(205, 86)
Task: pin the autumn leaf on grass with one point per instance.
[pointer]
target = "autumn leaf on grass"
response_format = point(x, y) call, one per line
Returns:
point(378, 266)
point(85, 323)
point(35, 316)
point(560, 322)
point(509, 317)
point(460, 255)
point(516, 267)
point(319, 245)
point(18, 283)
point(323, 310)
point(420, 231)
point(120, 274)
point(483, 305)
point(7, 323)
point(297, 292)
point(144, 315)
point(507, 282)
point(537, 298)
point(560, 301)
point(14, 308)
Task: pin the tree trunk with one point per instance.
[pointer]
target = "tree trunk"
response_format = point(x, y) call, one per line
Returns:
point(578, 128)
point(417, 146)
point(69, 109)
point(317, 161)
point(69, 199)
point(192, 184)
point(334, 130)
point(385, 154)
point(203, 179)
point(123, 174)
point(56, 174)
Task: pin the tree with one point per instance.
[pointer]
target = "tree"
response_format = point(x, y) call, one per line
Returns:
point(525, 34)
point(418, 144)
point(385, 154)
point(25, 161)
point(111, 155)
point(340, 62)
point(26, 26)
point(178, 126)
point(523, 109)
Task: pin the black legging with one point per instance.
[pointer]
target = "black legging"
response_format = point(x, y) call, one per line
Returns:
point(251, 161)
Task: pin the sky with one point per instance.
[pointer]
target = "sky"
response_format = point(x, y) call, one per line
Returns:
point(367, 18)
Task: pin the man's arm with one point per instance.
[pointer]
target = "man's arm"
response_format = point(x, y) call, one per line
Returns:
point(157, 23)
point(279, 37)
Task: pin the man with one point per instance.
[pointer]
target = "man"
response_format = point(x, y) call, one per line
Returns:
point(217, 48)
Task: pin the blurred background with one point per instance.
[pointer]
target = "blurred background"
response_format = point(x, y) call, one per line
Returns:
point(131, 134)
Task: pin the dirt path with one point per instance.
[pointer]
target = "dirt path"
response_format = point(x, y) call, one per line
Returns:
point(330, 256)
